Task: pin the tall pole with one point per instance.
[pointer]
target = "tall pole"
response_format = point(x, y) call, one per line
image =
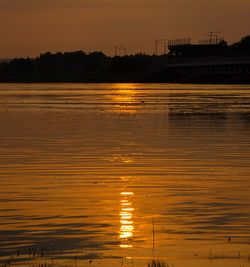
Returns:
point(210, 39)
point(213, 34)
point(216, 36)
point(120, 47)
point(165, 47)
point(153, 230)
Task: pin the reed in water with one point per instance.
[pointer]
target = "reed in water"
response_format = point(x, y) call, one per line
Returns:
point(158, 263)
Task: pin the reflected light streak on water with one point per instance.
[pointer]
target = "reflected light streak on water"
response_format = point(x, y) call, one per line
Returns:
point(123, 97)
point(126, 220)
point(85, 167)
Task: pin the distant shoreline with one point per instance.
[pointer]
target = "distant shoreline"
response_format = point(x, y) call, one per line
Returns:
point(127, 82)
point(185, 63)
point(124, 82)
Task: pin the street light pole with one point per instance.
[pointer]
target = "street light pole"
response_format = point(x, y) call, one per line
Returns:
point(120, 47)
point(213, 34)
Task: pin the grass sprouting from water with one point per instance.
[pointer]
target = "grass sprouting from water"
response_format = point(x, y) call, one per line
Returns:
point(158, 263)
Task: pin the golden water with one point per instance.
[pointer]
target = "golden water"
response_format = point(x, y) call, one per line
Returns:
point(97, 171)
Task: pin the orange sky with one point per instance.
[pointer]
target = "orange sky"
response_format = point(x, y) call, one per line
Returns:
point(29, 27)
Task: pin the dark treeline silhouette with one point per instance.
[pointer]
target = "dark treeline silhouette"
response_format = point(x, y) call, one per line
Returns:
point(78, 67)
point(97, 67)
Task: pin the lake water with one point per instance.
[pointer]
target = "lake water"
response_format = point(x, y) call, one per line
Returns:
point(116, 174)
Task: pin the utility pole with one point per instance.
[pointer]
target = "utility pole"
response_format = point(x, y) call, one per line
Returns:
point(119, 48)
point(216, 36)
point(213, 34)
point(153, 233)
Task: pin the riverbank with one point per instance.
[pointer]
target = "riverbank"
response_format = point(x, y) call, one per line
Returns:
point(77, 67)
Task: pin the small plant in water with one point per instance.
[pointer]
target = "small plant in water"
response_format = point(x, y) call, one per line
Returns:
point(158, 263)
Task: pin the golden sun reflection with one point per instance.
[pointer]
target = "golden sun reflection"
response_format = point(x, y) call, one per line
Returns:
point(126, 220)
point(123, 86)
point(124, 97)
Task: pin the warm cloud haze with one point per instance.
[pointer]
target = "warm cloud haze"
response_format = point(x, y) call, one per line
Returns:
point(29, 27)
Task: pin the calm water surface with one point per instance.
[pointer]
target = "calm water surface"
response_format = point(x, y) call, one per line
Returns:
point(90, 172)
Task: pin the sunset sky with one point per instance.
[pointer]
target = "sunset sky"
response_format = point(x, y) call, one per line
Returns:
point(29, 27)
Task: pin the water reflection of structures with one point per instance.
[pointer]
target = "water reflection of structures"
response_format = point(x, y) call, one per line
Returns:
point(126, 220)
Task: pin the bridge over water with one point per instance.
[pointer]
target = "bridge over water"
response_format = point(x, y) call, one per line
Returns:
point(235, 68)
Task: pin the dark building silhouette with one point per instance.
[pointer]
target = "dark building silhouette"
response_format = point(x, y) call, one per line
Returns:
point(209, 62)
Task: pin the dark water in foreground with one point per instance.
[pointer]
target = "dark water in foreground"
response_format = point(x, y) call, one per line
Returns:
point(84, 170)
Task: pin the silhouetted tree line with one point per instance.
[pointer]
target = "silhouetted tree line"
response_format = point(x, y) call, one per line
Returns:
point(77, 67)
point(97, 67)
